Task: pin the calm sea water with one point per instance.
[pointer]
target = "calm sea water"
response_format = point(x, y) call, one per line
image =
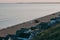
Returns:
point(11, 14)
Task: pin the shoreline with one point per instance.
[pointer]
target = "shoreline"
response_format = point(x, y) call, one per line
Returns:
point(28, 24)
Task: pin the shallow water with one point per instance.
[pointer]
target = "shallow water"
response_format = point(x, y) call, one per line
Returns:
point(12, 14)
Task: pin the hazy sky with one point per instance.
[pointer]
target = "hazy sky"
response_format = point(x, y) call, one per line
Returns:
point(13, 1)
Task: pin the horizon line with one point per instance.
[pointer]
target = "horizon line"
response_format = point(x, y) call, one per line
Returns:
point(33, 3)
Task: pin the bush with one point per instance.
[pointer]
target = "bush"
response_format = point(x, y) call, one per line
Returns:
point(50, 34)
point(1, 38)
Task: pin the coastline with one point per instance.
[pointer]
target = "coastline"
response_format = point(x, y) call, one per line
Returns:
point(28, 24)
point(33, 3)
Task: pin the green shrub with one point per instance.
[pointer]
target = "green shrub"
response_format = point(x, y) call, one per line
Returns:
point(50, 34)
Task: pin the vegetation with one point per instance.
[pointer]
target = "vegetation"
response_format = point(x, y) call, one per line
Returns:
point(33, 28)
point(50, 34)
point(42, 31)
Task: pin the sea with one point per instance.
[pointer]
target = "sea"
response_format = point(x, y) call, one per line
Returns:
point(13, 14)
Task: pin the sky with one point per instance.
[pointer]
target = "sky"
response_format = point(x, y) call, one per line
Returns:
point(14, 1)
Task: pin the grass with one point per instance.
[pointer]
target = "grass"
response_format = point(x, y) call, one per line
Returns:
point(50, 34)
